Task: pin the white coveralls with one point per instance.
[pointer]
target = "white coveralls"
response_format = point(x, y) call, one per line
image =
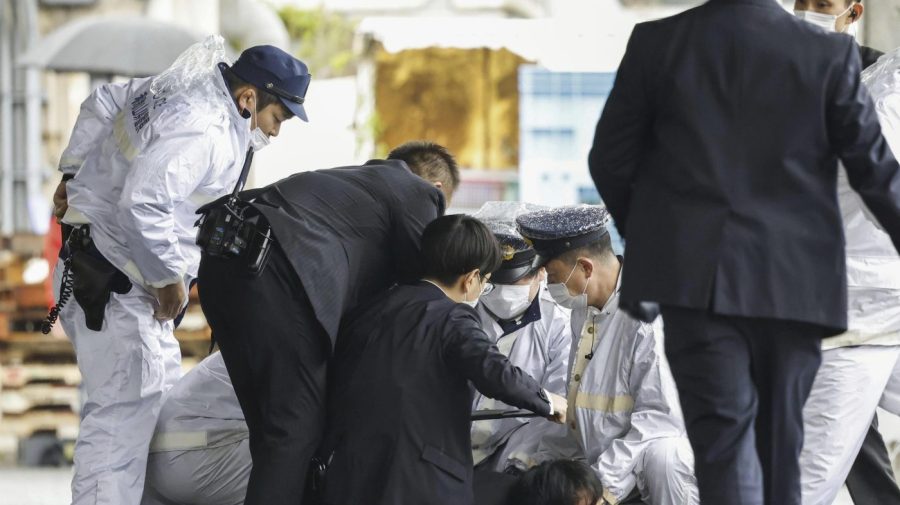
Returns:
point(860, 368)
point(200, 454)
point(144, 163)
point(541, 349)
point(624, 414)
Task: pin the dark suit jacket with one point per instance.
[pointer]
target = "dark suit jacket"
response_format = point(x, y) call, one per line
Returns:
point(717, 156)
point(869, 56)
point(400, 402)
point(350, 232)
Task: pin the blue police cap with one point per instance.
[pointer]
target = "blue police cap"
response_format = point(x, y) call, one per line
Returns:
point(555, 231)
point(277, 72)
point(518, 255)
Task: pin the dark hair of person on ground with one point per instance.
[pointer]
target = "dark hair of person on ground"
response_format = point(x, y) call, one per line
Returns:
point(430, 161)
point(454, 245)
point(560, 482)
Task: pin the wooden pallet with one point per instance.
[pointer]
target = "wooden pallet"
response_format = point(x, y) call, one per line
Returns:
point(19, 375)
point(27, 245)
point(31, 297)
point(22, 347)
point(61, 422)
point(27, 320)
point(38, 396)
point(11, 268)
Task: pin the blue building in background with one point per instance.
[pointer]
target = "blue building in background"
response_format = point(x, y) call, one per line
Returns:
point(558, 112)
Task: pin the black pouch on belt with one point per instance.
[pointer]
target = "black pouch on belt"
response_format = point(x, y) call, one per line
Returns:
point(95, 279)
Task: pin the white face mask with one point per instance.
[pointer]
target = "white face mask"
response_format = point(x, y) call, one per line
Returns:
point(258, 139)
point(508, 301)
point(827, 22)
point(560, 293)
point(474, 303)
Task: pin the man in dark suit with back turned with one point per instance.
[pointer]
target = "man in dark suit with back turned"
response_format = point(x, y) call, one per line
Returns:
point(717, 156)
point(341, 236)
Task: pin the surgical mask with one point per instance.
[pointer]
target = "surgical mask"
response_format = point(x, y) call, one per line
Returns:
point(560, 293)
point(508, 301)
point(258, 138)
point(474, 303)
point(827, 22)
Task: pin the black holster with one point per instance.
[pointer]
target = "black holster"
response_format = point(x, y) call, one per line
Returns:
point(94, 277)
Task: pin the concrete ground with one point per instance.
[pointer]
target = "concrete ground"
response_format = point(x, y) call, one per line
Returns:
point(50, 486)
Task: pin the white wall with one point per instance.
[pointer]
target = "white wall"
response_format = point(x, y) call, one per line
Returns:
point(327, 140)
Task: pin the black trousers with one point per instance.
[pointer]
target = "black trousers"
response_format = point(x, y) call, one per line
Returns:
point(742, 384)
point(276, 354)
point(871, 479)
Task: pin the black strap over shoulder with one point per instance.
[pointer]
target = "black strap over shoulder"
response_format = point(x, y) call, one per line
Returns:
point(230, 228)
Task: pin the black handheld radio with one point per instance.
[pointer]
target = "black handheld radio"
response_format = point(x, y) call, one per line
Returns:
point(233, 229)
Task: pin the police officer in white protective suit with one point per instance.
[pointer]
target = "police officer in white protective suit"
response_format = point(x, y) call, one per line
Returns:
point(624, 415)
point(531, 330)
point(200, 454)
point(860, 368)
point(143, 156)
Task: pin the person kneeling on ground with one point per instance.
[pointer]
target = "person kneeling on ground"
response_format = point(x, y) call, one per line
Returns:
point(529, 328)
point(624, 414)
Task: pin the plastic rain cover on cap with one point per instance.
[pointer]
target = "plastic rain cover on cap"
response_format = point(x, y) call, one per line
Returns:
point(570, 221)
point(193, 74)
point(883, 81)
point(500, 217)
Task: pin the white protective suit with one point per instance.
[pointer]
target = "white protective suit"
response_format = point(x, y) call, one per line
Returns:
point(200, 454)
point(860, 368)
point(624, 414)
point(146, 154)
point(541, 349)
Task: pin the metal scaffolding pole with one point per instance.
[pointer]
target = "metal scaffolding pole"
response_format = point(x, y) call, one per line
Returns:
point(7, 170)
point(37, 212)
point(22, 206)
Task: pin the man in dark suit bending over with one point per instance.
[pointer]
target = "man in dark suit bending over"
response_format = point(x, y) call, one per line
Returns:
point(341, 235)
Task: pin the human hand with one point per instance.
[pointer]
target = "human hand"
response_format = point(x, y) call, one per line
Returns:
point(171, 299)
point(560, 406)
point(60, 201)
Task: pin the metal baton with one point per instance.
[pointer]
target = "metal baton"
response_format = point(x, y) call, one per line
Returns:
point(486, 415)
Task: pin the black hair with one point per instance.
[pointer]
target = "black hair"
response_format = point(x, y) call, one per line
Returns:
point(560, 482)
point(455, 245)
point(430, 161)
point(602, 248)
point(264, 98)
